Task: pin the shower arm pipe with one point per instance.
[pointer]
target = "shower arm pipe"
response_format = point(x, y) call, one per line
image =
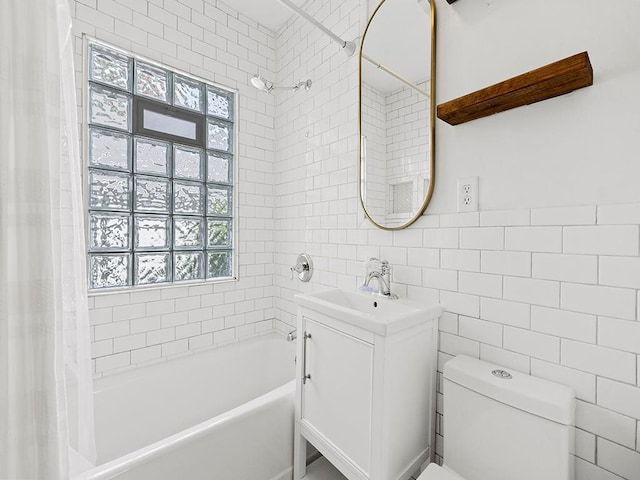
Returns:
point(349, 47)
point(409, 83)
point(295, 87)
point(306, 85)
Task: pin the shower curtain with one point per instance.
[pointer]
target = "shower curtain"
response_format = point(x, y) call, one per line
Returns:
point(45, 369)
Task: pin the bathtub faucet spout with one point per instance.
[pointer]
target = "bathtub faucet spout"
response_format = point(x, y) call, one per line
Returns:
point(292, 335)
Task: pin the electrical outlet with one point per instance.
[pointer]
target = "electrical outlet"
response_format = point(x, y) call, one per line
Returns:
point(468, 194)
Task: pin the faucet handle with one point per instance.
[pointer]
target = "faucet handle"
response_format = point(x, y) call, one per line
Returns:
point(372, 264)
point(375, 264)
point(303, 267)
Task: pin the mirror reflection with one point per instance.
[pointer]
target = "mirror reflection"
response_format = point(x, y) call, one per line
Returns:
point(397, 63)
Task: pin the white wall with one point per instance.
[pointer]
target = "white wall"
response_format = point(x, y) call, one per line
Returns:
point(545, 278)
point(211, 40)
point(574, 150)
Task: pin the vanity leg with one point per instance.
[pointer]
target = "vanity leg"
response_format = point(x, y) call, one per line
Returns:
point(299, 454)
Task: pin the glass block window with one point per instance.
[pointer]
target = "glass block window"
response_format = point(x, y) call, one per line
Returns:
point(160, 160)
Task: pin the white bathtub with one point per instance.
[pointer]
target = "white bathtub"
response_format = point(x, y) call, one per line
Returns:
point(224, 414)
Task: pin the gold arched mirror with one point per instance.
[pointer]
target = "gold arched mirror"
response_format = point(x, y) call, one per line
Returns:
point(397, 112)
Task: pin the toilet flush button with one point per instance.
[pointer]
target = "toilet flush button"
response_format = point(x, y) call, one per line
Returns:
point(501, 374)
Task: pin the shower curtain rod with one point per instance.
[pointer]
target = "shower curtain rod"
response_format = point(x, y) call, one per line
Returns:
point(348, 47)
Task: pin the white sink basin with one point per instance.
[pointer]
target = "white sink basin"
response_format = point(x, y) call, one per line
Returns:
point(374, 313)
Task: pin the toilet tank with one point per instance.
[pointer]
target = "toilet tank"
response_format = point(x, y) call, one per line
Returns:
point(500, 424)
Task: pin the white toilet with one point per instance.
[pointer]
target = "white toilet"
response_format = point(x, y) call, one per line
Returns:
point(503, 425)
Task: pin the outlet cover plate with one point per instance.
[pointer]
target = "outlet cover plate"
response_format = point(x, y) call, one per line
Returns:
point(468, 194)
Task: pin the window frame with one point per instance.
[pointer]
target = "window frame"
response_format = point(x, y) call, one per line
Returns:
point(140, 104)
point(137, 131)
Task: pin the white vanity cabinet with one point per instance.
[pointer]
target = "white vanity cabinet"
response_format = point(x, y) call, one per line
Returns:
point(365, 395)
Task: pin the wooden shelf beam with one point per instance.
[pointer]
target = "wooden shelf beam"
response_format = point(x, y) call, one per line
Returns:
point(550, 81)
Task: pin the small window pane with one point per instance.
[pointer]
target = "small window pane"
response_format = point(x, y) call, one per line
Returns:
point(219, 135)
point(152, 195)
point(151, 268)
point(187, 93)
point(219, 103)
point(108, 190)
point(152, 156)
point(108, 271)
point(177, 127)
point(187, 232)
point(108, 231)
point(219, 264)
point(151, 232)
point(187, 162)
point(218, 167)
point(187, 198)
point(219, 233)
point(110, 67)
point(108, 149)
point(188, 266)
point(152, 82)
point(109, 108)
point(218, 201)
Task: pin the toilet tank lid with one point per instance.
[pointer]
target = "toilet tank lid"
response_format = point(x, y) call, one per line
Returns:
point(534, 395)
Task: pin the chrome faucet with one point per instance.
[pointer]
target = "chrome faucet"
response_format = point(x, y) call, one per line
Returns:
point(383, 276)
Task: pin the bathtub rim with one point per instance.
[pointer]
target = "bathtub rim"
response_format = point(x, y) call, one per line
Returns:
point(113, 377)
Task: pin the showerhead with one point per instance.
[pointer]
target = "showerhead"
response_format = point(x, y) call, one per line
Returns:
point(260, 83)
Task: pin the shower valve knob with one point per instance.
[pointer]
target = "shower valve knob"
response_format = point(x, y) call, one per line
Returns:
point(303, 268)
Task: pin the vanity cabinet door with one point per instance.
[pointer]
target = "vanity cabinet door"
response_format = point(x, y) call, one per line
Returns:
point(336, 399)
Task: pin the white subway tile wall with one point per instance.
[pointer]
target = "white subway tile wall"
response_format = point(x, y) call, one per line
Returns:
point(618, 459)
point(213, 41)
point(553, 292)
